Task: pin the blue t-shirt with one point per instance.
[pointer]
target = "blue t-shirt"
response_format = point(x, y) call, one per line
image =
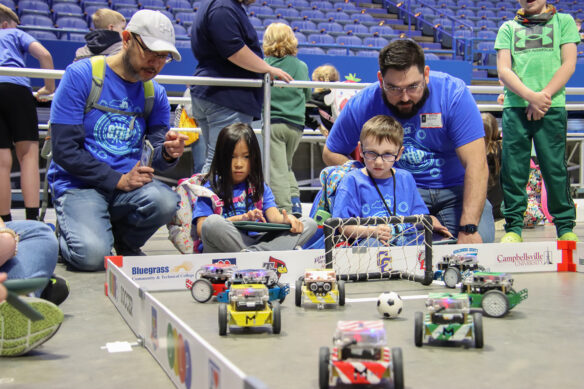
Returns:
point(448, 119)
point(108, 142)
point(222, 28)
point(357, 197)
point(204, 207)
point(14, 45)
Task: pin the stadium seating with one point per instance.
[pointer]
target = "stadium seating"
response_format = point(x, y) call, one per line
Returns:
point(33, 7)
point(71, 22)
point(356, 28)
point(330, 27)
point(349, 40)
point(36, 20)
point(9, 3)
point(321, 38)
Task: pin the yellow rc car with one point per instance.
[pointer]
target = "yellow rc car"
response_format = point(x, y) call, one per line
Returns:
point(320, 287)
point(249, 306)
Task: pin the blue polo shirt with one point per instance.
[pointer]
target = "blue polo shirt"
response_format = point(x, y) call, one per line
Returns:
point(14, 45)
point(222, 28)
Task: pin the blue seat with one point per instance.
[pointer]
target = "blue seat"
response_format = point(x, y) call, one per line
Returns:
point(90, 10)
point(128, 12)
point(338, 51)
point(505, 15)
point(486, 23)
point(465, 13)
point(362, 17)
point(255, 21)
point(152, 4)
point(269, 21)
point(303, 25)
point(424, 12)
point(275, 3)
point(325, 5)
point(33, 7)
point(356, 28)
point(36, 20)
point(484, 49)
point(9, 3)
point(287, 12)
point(256, 9)
point(75, 37)
point(381, 30)
point(330, 27)
point(183, 44)
point(185, 17)
point(349, 40)
point(465, 3)
point(486, 13)
point(179, 6)
point(180, 30)
point(487, 34)
point(431, 57)
point(71, 22)
point(467, 23)
point(448, 4)
point(300, 37)
point(299, 3)
point(66, 9)
point(367, 53)
point(260, 34)
point(311, 50)
point(115, 3)
point(430, 2)
point(321, 38)
point(503, 5)
point(42, 35)
point(484, 5)
point(337, 15)
point(346, 6)
point(374, 41)
point(312, 14)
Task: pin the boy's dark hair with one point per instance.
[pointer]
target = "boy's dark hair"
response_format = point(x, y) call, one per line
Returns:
point(401, 54)
point(219, 175)
point(7, 15)
point(382, 127)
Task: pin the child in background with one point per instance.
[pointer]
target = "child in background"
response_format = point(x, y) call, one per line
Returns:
point(236, 177)
point(106, 39)
point(493, 146)
point(379, 189)
point(534, 72)
point(288, 106)
point(324, 73)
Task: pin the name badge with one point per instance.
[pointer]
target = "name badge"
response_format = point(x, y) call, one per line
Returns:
point(431, 120)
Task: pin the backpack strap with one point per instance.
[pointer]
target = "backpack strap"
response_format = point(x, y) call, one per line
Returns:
point(97, 78)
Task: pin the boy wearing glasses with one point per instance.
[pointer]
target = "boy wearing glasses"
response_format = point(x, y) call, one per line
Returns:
point(102, 195)
point(379, 189)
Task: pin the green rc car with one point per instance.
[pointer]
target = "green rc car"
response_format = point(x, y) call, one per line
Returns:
point(493, 292)
point(448, 318)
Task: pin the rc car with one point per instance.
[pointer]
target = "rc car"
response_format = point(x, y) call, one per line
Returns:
point(493, 292)
point(448, 317)
point(248, 307)
point(360, 356)
point(210, 281)
point(454, 268)
point(320, 286)
point(267, 277)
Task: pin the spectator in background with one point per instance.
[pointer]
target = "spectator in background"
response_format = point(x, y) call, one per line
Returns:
point(322, 98)
point(18, 117)
point(493, 146)
point(535, 73)
point(106, 39)
point(579, 27)
point(288, 107)
point(226, 45)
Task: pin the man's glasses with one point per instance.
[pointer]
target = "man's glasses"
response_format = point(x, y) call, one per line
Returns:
point(397, 91)
point(161, 57)
point(372, 156)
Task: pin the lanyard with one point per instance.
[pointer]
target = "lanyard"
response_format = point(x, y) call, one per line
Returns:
point(381, 196)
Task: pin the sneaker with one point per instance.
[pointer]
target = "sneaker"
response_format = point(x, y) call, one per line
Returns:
point(19, 335)
point(296, 207)
point(125, 251)
point(569, 236)
point(56, 290)
point(511, 237)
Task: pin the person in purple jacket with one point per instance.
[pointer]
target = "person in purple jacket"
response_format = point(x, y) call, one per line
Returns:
point(444, 148)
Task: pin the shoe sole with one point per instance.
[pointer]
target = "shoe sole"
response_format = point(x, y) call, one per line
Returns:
point(19, 335)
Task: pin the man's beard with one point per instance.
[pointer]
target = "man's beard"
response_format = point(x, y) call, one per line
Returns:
point(415, 107)
point(128, 67)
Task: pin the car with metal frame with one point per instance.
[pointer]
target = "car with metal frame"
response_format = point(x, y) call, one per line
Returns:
point(448, 318)
point(266, 276)
point(493, 292)
point(210, 280)
point(360, 356)
point(320, 286)
point(454, 268)
point(249, 307)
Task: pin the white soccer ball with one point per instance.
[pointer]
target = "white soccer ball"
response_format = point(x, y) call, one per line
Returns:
point(389, 305)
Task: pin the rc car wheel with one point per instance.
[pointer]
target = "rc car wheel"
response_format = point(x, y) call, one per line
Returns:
point(477, 319)
point(341, 287)
point(418, 328)
point(323, 368)
point(451, 277)
point(276, 319)
point(298, 293)
point(281, 286)
point(398, 368)
point(222, 319)
point(495, 303)
point(202, 290)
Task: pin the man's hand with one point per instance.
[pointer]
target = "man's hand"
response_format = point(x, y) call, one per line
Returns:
point(439, 228)
point(463, 237)
point(174, 144)
point(279, 74)
point(135, 178)
point(296, 225)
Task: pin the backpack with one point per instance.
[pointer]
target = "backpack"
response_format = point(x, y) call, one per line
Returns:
point(97, 77)
point(181, 232)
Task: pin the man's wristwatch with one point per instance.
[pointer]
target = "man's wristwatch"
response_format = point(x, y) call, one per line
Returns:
point(8, 231)
point(469, 228)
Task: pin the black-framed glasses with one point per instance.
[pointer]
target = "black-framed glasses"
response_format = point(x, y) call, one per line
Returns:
point(161, 57)
point(410, 89)
point(372, 156)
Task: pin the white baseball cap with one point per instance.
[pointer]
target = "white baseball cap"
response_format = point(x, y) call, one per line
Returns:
point(156, 31)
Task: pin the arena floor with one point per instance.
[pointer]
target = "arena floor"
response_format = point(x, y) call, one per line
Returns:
point(538, 344)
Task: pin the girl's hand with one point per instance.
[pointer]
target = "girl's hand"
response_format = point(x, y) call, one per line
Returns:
point(439, 228)
point(383, 233)
point(296, 225)
point(255, 215)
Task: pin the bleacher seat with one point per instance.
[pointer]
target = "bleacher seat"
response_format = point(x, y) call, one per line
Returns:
point(275, 3)
point(486, 34)
point(185, 17)
point(447, 4)
point(119, 3)
point(338, 51)
point(446, 12)
point(485, 14)
point(36, 20)
point(258, 10)
point(346, 6)
point(429, 2)
point(9, 3)
point(444, 23)
point(381, 30)
point(349, 40)
point(128, 12)
point(101, 3)
point(260, 34)
point(484, 4)
point(424, 12)
point(329, 27)
point(256, 22)
point(375, 41)
point(431, 57)
point(312, 14)
point(45, 35)
point(71, 22)
point(465, 13)
point(487, 23)
point(465, 3)
point(363, 17)
point(180, 30)
point(152, 4)
point(303, 25)
point(66, 9)
point(75, 37)
point(183, 44)
point(338, 16)
point(356, 28)
point(269, 21)
point(33, 7)
point(311, 50)
point(300, 37)
point(90, 10)
point(484, 50)
point(175, 6)
point(287, 12)
point(504, 5)
point(324, 5)
point(299, 3)
point(321, 38)
point(505, 15)
point(367, 53)
point(196, 5)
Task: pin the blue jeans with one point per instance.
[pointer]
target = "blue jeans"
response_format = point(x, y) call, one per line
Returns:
point(198, 152)
point(37, 251)
point(91, 222)
point(446, 205)
point(212, 118)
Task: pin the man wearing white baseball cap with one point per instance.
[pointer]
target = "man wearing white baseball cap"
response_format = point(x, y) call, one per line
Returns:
point(106, 112)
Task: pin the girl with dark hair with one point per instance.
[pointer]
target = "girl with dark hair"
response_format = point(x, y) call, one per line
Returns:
point(236, 177)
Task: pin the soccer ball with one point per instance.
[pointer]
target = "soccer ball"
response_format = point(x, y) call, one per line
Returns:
point(389, 305)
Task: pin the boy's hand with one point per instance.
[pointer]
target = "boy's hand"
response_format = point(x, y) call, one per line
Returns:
point(296, 225)
point(538, 105)
point(383, 233)
point(135, 178)
point(255, 215)
point(174, 143)
point(439, 228)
